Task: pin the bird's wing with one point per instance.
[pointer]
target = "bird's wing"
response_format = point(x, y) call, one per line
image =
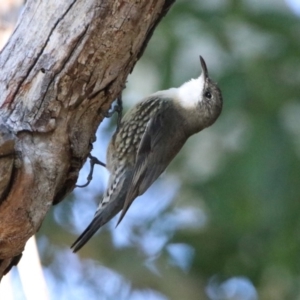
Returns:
point(163, 138)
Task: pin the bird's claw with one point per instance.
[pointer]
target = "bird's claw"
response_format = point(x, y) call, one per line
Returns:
point(93, 161)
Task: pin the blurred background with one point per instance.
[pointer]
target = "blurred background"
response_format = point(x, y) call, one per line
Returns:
point(222, 223)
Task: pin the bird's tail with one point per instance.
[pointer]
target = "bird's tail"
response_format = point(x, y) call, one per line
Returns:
point(105, 213)
point(101, 217)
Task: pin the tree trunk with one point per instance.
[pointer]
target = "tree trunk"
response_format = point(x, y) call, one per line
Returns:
point(61, 69)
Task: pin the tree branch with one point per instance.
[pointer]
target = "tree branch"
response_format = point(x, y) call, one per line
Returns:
point(61, 69)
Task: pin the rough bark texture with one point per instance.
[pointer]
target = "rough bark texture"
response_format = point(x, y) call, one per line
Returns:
point(61, 69)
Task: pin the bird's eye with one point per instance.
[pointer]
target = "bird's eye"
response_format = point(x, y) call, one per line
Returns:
point(207, 95)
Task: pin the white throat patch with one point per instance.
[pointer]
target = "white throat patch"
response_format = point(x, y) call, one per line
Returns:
point(190, 93)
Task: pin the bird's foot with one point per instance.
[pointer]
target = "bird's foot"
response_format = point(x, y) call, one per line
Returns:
point(118, 108)
point(93, 161)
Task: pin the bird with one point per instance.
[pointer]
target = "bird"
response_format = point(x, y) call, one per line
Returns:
point(149, 136)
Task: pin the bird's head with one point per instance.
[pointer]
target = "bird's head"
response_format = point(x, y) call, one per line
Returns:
point(202, 97)
point(210, 101)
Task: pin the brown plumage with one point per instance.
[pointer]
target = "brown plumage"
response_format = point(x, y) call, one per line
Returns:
point(149, 137)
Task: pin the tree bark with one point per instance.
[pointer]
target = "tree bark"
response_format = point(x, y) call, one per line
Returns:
point(61, 69)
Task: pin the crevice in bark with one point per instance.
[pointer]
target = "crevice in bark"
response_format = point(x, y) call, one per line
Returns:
point(30, 68)
point(64, 63)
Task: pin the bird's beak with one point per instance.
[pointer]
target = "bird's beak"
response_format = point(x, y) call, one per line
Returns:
point(204, 68)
